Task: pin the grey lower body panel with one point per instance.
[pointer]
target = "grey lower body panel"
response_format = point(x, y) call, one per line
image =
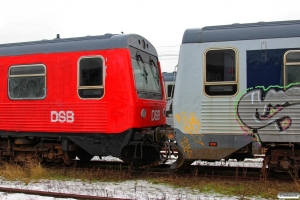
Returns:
point(282, 138)
point(196, 146)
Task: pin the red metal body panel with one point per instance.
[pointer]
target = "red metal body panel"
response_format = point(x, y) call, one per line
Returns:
point(118, 110)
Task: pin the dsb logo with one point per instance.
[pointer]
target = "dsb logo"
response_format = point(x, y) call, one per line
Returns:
point(62, 116)
point(155, 116)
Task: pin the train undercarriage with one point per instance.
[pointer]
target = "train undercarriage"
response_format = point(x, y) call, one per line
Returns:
point(153, 147)
point(28, 149)
point(283, 160)
point(280, 159)
point(146, 148)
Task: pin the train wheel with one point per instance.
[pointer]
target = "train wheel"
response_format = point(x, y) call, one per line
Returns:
point(290, 173)
point(180, 162)
point(68, 157)
point(282, 175)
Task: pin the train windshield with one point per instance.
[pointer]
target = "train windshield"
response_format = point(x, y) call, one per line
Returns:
point(147, 76)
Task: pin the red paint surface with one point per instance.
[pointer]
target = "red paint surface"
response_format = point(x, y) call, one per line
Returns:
point(118, 110)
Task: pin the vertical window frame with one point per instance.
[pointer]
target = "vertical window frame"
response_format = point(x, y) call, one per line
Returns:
point(170, 90)
point(27, 75)
point(286, 64)
point(91, 87)
point(221, 83)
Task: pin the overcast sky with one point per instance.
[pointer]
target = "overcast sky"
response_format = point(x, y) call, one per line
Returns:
point(162, 22)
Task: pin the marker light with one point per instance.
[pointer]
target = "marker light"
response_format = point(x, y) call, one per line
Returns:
point(143, 113)
point(213, 144)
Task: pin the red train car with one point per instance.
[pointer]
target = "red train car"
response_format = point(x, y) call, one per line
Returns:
point(95, 95)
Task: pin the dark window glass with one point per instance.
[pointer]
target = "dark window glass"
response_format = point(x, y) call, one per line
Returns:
point(91, 77)
point(292, 68)
point(220, 65)
point(293, 57)
point(91, 72)
point(218, 90)
point(292, 74)
point(91, 93)
point(220, 74)
point(171, 89)
point(27, 70)
point(27, 82)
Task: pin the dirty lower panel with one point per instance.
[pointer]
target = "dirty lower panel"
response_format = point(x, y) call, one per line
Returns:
point(196, 146)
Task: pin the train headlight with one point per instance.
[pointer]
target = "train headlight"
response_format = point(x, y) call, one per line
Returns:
point(143, 113)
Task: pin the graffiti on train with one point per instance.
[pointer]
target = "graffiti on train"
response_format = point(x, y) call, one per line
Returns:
point(185, 144)
point(191, 125)
point(277, 110)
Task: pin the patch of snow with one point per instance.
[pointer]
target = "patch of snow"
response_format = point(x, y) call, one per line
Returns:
point(139, 189)
point(248, 162)
point(252, 163)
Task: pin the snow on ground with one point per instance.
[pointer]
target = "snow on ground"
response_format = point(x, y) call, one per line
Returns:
point(248, 162)
point(139, 189)
point(253, 163)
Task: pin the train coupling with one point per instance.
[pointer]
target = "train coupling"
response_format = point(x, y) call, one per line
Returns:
point(164, 134)
point(160, 134)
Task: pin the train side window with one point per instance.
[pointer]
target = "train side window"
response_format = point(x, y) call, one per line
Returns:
point(90, 80)
point(171, 89)
point(291, 68)
point(27, 82)
point(220, 72)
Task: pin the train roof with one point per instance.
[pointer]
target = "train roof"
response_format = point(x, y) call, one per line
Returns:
point(250, 31)
point(169, 76)
point(107, 41)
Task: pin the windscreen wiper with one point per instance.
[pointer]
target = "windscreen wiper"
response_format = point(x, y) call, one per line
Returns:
point(139, 57)
point(142, 92)
point(156, 94)
point(156, 75)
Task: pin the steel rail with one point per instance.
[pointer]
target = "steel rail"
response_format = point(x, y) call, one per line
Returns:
point(55, 194)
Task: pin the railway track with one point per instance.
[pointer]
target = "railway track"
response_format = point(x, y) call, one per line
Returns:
point(54, 194)
point(219, 173)
point(234, 170)
point(163, 168)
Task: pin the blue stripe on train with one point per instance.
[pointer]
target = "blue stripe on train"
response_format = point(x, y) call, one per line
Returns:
point(265, 67)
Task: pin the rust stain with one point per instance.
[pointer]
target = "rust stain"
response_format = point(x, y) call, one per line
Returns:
point(186, 146)
point(191, 125)
point(177, 117)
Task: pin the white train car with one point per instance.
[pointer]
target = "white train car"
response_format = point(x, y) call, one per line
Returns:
point(169, 83)
point(238, 90)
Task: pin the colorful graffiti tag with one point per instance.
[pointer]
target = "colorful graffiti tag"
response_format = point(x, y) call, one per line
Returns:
point(191, 125)
point(274, 111)
point(186, 146)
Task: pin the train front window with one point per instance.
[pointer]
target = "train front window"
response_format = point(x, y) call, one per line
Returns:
point(147, 79)
point(27, 82)
point(147, 76)
point(90, 80)
point(291, 68)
